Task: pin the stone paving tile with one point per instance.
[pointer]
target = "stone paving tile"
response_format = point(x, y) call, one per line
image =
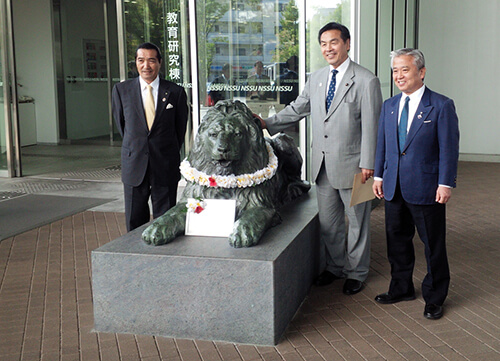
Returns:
point(46, 308)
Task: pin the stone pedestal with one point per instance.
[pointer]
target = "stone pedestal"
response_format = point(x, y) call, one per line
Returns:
point(202, 288)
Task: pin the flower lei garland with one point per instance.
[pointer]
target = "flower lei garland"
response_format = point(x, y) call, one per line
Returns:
point(196, 205)
point(232, 181)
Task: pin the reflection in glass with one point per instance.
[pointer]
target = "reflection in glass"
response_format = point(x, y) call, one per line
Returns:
point(320, 13)
point(164, 23)
point(160, 22)
point(248, 50)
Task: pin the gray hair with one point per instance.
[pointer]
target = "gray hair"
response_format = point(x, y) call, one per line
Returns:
point(418, 56)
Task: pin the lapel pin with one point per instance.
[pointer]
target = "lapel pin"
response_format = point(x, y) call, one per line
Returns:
point(419, 116)
point(346, 84)
point(164, 100)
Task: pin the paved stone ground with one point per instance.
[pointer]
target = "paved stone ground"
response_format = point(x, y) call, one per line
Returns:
point(46, 297)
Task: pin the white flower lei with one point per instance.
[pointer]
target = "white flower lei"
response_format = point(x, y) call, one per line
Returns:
point(231, 181)
point(196, 205)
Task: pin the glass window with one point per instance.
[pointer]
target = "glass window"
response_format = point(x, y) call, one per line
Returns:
point(164, 23)
point(3, 139)
point(249, 51)
point(319, 13)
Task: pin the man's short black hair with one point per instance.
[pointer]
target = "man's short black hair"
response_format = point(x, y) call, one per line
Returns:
point(149, 46)
point(344, 32)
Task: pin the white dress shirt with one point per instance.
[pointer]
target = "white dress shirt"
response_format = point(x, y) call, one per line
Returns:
point(340, 75)
point(415, 98)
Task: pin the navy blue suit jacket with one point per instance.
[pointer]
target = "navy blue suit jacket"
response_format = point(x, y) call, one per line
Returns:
point(430, 154)
point(158, 147)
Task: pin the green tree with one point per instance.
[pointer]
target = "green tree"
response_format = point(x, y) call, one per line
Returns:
point(322, 16)
point(288, 36)
point(209, 13)
point(145, 21)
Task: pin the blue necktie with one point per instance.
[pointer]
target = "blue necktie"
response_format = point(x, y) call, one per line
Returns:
point(403, 125)
point(331, 90)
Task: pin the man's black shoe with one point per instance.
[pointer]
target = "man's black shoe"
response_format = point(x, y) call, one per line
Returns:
point(387, 298)
point(325, 279)
point(433, 312)
point(351, 287)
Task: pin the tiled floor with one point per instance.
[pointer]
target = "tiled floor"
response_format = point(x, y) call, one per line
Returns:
point(46, 297)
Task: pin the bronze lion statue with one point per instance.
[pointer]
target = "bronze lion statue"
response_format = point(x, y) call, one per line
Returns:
point(231, 159)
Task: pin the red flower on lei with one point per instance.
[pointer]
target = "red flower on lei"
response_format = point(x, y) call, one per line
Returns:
point(213, 182)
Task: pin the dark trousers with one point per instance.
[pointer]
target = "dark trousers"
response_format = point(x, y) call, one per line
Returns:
point(137, 210)
point(401, 218)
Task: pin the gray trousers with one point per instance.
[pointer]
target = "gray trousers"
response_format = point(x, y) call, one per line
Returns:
point(344, 255)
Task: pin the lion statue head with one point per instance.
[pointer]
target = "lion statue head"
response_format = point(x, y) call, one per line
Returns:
point(229, 141)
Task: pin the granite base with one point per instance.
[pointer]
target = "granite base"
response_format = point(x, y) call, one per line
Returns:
point(202, 288)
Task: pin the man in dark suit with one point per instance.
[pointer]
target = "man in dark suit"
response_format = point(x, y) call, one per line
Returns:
point(290, 80)
point(220, 87)
point(257, 82)
point(151, 115)
point(415, 170)
point(343, 100)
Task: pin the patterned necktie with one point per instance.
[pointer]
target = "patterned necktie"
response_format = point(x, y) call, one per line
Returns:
point(403, 125)
point(149, 107)
point(331, 90)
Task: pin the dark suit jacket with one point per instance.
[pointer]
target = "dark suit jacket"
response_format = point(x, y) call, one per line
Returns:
point(430, 154)
point(158, 147)
point(220, 89)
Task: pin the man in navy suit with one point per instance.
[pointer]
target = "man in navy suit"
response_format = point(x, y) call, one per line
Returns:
point(151, 143)
point(415, 170)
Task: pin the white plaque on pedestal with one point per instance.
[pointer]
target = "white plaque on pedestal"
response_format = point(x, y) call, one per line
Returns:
point(215, 220)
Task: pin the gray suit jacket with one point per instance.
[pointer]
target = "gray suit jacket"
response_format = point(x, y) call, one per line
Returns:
point(346, 136)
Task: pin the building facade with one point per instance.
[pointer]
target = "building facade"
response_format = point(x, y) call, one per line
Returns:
point(60, 59)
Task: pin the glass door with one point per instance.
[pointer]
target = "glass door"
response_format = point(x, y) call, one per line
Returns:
point(88, 69)
point(10, 161)
point(3, 134)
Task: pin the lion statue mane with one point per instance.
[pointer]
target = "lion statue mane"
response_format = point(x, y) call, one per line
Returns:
point(229, 143)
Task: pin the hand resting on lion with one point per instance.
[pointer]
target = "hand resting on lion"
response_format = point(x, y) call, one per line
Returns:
point(231, 159)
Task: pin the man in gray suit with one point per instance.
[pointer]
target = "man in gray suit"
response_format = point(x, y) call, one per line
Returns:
point(343, 101)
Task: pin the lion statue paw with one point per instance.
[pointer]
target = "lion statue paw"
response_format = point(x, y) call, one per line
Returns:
point(166, 228)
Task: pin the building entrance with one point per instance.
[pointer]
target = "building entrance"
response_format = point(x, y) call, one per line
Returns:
point(85, 65)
